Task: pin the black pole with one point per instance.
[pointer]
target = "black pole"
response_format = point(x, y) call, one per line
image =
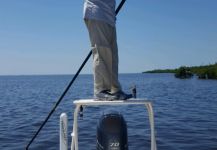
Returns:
point(119, 6)
point(60, 99)
point(68, 87)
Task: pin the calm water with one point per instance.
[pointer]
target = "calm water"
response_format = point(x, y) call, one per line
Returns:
point(185, 112)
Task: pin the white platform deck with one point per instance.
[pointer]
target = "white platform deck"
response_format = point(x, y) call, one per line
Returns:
point(92, 102)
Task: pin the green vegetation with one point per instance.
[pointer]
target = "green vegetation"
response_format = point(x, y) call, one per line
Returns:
point(206, 72)
point(203, 72)
point(183, 73)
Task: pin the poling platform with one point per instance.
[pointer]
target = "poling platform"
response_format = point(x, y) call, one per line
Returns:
point(91, 102)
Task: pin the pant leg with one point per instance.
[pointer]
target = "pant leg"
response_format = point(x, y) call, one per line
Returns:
point(115, 85)
point(100, 34)
point(105, 58)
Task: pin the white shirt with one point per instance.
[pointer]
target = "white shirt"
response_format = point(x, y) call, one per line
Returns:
point(103, 10)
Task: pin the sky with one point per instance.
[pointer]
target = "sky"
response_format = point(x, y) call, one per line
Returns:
point(50, 37)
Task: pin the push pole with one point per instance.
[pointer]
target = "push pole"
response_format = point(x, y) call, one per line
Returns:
point(68, 87)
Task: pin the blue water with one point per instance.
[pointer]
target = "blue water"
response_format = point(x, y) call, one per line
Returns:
point(185, 112)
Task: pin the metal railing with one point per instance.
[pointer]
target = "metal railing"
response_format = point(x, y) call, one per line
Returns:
point(91, 102)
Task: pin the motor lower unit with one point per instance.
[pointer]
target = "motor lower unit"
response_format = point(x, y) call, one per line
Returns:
point(112, 132)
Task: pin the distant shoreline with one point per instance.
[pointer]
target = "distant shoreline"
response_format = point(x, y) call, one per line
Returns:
point(203, 72)
point(194, 69)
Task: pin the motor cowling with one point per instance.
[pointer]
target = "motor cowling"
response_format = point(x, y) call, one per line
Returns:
point(112, 132)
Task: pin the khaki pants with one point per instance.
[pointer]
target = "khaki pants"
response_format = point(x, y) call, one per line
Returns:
point(105, 55)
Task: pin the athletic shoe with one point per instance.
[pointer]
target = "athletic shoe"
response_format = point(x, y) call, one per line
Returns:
point(105, 95)
point(120, 95)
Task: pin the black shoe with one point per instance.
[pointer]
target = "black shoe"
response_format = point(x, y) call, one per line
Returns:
point(105, 95)
point(120, 95)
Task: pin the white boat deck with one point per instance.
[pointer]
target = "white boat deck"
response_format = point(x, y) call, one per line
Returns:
point(92, 102)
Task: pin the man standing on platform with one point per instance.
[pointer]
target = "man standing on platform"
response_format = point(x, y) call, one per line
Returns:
point(99, 17)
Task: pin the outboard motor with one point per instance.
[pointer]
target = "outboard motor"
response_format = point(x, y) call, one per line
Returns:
point(112, 132)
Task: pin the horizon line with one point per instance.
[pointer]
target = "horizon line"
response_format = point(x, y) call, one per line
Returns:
point(66, 74)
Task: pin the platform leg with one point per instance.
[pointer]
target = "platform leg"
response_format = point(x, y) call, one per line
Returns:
point(151, 120)
point(74, 144)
